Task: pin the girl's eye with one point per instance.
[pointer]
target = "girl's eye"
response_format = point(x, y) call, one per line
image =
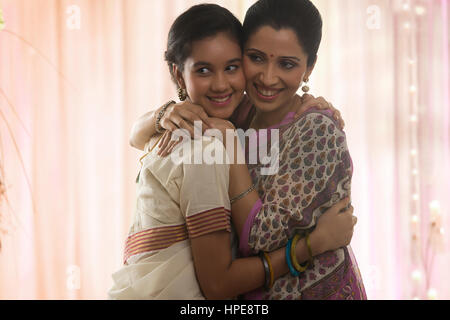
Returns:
point(232, 68)
point(203, 70)
point(287, 64)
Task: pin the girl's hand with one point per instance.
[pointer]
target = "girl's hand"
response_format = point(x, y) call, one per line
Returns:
point(308, 101)
point(335, 226)
point(221, 124)
point(166, 145)
point(182, 116)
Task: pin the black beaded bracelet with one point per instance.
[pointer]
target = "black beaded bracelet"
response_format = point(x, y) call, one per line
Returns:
point(158, 127)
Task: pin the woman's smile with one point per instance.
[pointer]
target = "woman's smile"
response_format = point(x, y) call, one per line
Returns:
point(267, 94)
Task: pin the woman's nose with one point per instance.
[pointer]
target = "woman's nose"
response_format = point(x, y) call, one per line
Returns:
point(268, 75)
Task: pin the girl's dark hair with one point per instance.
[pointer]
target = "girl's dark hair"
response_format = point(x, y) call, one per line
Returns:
point(198, 22)
point(299, 15)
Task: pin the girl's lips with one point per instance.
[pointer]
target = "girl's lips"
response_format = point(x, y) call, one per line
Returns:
point(221, 100)
point(267, 94)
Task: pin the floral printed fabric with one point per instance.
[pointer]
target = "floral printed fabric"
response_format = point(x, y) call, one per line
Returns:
point(315, 173)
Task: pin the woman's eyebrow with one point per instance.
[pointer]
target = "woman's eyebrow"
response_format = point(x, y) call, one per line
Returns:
point(283, 57)
point(253, 49)
point(291, 57)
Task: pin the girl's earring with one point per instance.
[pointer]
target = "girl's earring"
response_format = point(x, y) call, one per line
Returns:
point(305, 88)
point(182, 94)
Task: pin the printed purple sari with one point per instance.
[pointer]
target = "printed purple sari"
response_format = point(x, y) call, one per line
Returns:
point(315, 171)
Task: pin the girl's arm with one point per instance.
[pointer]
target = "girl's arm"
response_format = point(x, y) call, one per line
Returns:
point(178, 115)
point(183, 115)
point(143, 129)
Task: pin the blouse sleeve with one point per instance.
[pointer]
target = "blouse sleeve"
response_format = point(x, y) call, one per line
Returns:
point(204, 199)
point(315, 173)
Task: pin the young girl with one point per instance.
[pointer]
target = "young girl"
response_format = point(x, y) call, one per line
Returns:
point(281, 40)
point(179, 244)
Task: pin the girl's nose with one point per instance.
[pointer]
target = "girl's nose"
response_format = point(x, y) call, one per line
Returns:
point(220, 83)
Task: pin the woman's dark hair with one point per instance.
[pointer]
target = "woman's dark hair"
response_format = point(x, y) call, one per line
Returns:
point(198, 22)
point(299, 15)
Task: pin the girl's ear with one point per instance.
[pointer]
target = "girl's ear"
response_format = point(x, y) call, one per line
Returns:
point(178, 76)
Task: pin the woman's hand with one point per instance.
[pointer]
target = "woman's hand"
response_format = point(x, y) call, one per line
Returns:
point(308, 101)
point(335, 227)
point(182, 116)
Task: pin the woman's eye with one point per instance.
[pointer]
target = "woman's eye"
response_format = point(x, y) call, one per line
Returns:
point(287, 64)
point(255, 58)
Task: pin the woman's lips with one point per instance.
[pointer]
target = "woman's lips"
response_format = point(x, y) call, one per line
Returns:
point(266, 93)
point(221, 100)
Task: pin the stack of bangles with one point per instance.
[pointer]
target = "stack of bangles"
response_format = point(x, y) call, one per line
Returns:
point(291, 258)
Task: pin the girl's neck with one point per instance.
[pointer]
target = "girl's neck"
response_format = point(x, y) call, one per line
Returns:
point(268, 119)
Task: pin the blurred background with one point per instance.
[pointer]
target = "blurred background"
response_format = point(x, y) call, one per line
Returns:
point(75, 74)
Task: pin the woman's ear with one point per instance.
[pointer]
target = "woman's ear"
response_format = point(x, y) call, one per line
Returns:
point(178, 76)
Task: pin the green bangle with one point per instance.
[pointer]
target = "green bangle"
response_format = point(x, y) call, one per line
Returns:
point(296, 265)
point(308, 244)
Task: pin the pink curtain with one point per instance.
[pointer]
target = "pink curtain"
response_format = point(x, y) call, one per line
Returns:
point(75, 74)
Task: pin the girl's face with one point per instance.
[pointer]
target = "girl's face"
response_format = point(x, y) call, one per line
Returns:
point(275, 65)
point(213, 75)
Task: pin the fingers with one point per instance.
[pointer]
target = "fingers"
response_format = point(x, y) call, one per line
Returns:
point(183, 115)
point(204, 117)
point(165, 140)
point(196, 115)
point(168, 124)
point(309, 103)
point(183, 124)
point(306, 97)
point(342, 205)
point(168, 147)
point(168, 150)
point(336, 113)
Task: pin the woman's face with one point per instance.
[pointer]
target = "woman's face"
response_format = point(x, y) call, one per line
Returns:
point(275, 65)
point(213, 75)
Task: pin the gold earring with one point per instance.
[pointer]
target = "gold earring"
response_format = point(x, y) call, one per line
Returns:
point(182, 94)
point(305, 88)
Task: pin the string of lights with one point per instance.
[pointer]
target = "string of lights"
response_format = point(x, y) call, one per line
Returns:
point(422, 254)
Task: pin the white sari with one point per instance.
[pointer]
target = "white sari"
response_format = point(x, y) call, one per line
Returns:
point(175, 203)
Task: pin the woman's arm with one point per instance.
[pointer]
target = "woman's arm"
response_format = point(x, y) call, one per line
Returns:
point(222, 278)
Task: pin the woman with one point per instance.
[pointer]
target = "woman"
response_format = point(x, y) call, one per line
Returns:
point(281, 40)
point(180, 238)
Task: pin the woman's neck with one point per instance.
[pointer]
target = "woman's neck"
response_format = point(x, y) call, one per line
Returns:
point(268, 119)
